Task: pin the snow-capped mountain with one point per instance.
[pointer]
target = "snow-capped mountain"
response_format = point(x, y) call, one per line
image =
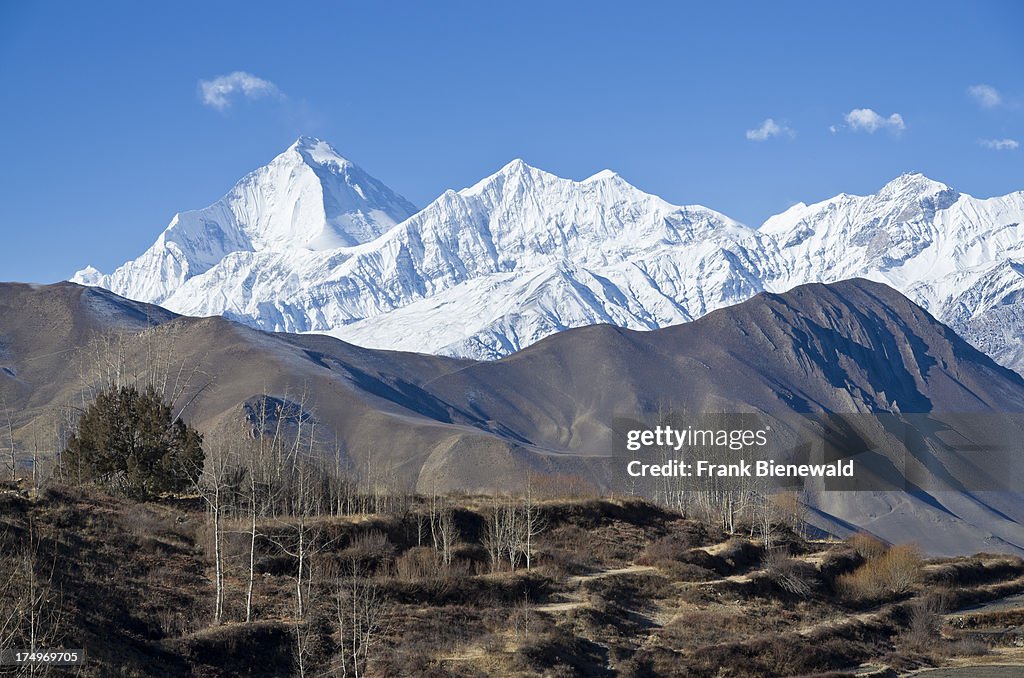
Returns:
point(308, 198)
point(311, 243)
point(960, 257)
point(518, 256)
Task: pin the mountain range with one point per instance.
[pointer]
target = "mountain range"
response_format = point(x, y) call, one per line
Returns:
point(440, 423)
point(312, 243)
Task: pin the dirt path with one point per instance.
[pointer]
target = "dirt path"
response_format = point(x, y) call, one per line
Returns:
point(840, 622)
point(576, 596)
point(578, 579)
point(746, 576)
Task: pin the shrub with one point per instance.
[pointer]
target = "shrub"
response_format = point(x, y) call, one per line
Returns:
point(129, 440)
point(966, 647)
point(839, 561)
point(671, 547)
point(368, 551)
point(789, 574)
point(739, 553)
point(419, 562)
point(923, 628)
point(901, 568)
point(866, 545)
point(894, 573)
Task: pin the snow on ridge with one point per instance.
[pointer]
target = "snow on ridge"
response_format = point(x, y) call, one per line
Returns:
point(312, 243)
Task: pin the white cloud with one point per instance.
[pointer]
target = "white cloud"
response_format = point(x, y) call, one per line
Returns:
point(1000, 144)
point(220, 92)
point(985, 96)
point(768, 129)
point(867, 120)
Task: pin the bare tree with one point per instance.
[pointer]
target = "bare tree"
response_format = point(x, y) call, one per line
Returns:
point(262, 449)
point(496, 536)
point(31, 605)
point(447, 534)
point(532, 523)
point(214, 481)
point(12, 449)
point(504, 538)
point(305, 544)
point(362, 620)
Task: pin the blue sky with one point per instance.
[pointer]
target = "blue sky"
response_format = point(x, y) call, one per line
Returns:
point(106, 134)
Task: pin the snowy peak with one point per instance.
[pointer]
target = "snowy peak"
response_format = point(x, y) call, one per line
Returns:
point(603, 175)
point(514, 177)
point(852, 235)
point(912, 185)
point(317, 152)
point(909, 190)
point(308, 198)
point(312, 243)
point(526, 213)
point(327, 202)
point(518, 176)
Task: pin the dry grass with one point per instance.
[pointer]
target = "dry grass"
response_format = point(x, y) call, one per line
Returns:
point(867, 546)
point(893, 573)
point(138, 587)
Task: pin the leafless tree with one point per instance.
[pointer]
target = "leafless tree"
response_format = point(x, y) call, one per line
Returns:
point(215, 482)
point(532, 523)
point(305, 504)
point(447, 534)
point(497, 535)
point(505, 535)
point(31, 603)
point(12, 449)
point(362, 620)
point(263, 448)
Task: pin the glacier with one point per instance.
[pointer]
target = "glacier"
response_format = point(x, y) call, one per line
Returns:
point(312, 243)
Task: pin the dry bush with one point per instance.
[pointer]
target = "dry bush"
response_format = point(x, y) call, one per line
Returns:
point(924, 633)
point(923, 628)
point(839, 561)
point(901, 568)
point(671, 547)
point(561, 486)
point(739, 553)
point(894, 573)
point(369, 550)
point(966, 647)
point(419, 562)
point(176, 622)
point(698, 628)
point(867, 546)
point(973, 571)
point(685, 572)
point(634, 592)
point(788, 573)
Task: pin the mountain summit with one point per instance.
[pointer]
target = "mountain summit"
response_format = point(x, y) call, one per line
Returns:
point(307, 198)
point(311, 243)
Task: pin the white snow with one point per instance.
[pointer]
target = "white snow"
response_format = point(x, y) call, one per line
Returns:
point(311, 243)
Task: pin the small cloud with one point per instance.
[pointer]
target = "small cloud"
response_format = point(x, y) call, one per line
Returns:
point(1000, 144)
point(219, 92)
point(833, 129)
point(865, 119)
point(768, 129)
point(985, 96)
